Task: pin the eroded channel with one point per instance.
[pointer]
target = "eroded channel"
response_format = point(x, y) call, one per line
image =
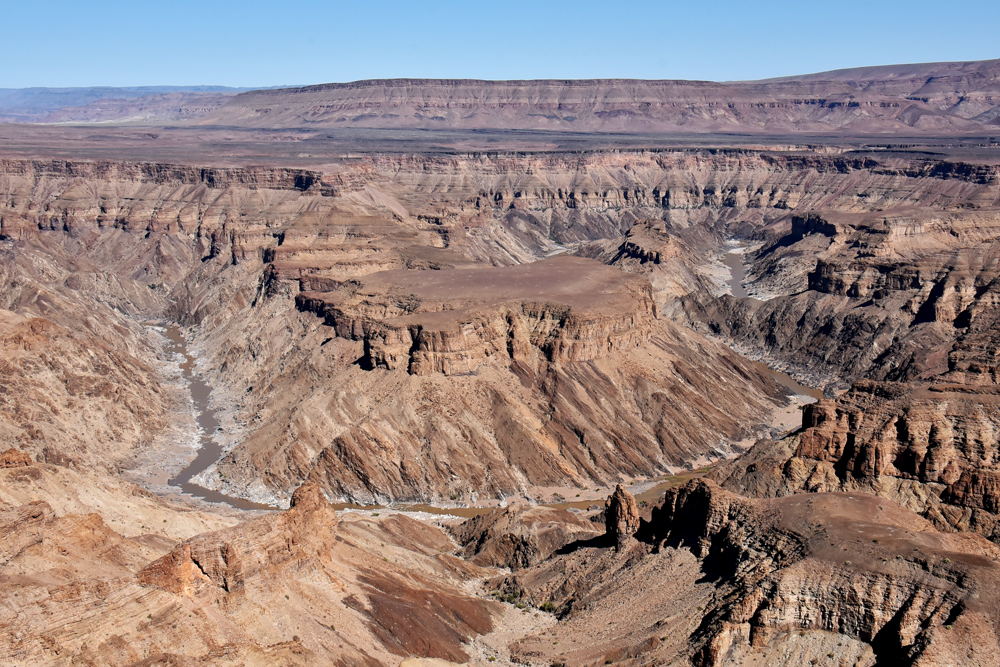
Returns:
point(209, 451)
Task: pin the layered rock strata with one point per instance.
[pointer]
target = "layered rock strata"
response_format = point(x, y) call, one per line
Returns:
point(296, 588)
point(887, 296)
point(929, 448)
point(621, 516)
point(452, 321)
point(221, 247)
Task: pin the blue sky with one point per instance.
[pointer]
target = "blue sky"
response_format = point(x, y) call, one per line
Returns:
point(256, 43)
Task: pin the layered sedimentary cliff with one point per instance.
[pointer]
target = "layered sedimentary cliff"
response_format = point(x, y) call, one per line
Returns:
point(929, 448)
point(943, 96)
point(462, 327)
point(562, 309)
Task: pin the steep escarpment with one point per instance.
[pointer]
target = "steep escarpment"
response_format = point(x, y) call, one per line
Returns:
point(565, 309)
point(952, 97)
point(877, 576)
point(509, 428)
point(927, 447)
point(467, 327)
point(903, 297)
point(887, 296)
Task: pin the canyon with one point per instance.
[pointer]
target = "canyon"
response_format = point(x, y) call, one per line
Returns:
point(498, 387)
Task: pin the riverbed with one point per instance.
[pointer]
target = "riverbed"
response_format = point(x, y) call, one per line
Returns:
point(208, 450)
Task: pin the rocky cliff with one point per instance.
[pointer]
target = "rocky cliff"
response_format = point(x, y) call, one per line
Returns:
point(563, 309)
point(225, 246)
point(462, 326)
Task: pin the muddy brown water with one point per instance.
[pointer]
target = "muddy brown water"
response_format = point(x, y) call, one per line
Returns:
point(789, 383)
point(738, 273)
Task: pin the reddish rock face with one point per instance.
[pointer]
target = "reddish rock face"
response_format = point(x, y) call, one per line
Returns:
point(931, 447)
point(520, 536)
point(297, 587)
point(13, 458)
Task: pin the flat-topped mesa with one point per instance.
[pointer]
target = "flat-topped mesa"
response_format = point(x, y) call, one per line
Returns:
point(562, 309)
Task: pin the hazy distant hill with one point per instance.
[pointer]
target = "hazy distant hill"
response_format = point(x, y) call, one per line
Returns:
point(948, 98)
point(28, 105)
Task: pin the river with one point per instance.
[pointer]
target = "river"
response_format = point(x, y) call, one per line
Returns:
point(737, 273)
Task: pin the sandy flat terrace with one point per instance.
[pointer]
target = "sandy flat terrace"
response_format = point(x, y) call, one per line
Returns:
point(576, 282)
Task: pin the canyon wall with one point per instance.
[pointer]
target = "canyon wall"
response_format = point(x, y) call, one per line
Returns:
point(335, 373)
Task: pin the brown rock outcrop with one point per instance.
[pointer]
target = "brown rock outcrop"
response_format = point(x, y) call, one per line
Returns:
point(840, 564)
point(902, 294)
point(646, 242)
point(13, 458)
point(720, 579)
point(452, 321)
point(621, 516)
point(276, 588)
point(930, 447)
point(230, 245)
